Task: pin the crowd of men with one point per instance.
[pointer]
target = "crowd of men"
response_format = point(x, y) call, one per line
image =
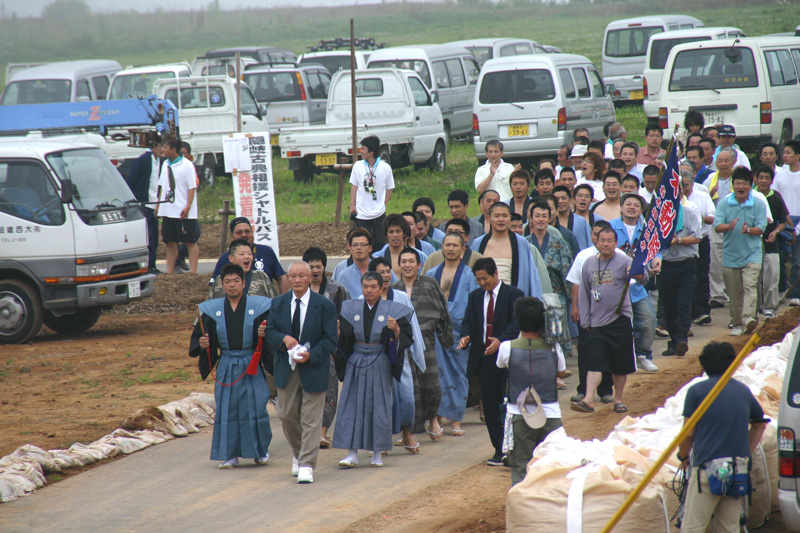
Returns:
point(418, 317)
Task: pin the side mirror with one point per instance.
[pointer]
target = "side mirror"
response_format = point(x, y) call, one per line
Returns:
point(262, 110)
point(610, 88)
point(434, 97)
point(66, 191)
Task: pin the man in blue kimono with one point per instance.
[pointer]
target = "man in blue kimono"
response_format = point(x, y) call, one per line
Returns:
point(241, 422)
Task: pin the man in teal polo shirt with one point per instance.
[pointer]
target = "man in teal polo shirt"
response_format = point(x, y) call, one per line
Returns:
point(742, 220)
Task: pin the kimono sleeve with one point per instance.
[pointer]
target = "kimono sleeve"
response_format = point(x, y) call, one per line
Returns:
point(205, 362)
point(267, 361)
point(344, 347)
point(444, 327)
point(405, 341)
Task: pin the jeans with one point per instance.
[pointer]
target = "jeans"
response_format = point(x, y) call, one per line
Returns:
point(644, 327)
point(677, 288)
point(700, 298)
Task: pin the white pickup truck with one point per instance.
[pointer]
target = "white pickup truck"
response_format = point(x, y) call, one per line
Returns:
point(392, 104)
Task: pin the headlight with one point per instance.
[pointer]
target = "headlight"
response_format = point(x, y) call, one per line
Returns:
point(95, 269)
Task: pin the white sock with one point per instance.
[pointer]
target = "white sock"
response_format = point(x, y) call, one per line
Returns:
point(376, 458)
point(352, 456)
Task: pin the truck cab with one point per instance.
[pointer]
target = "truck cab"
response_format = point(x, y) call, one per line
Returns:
point(74, 239)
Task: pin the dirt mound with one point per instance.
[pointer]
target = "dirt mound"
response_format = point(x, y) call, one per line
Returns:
point(174, 293)
point(773, 329)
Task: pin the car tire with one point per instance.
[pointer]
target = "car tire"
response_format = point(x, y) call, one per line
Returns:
point(385, 155)
point(438, 160)
point(786, 133)
point(74, 323)
point(207, 175)
point(21, 312)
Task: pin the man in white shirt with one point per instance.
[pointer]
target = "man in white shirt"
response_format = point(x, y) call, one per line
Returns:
point(495, 174)
point(178, 185)
point(371, 185)
point(706, 208)
point(787, 182)
point(727, 138)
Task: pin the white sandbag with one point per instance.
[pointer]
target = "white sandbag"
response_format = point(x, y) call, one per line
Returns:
point(12, 486)
point(759, 502)
point(64, 458)
point(153, 437)
point(769, 441)
point(86, 454)
point(205, 401)
point(178, 417)
point(124, 445)
point(37, 454)
point(30, 470)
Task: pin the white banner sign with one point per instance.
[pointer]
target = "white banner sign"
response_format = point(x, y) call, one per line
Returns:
point(253, 189)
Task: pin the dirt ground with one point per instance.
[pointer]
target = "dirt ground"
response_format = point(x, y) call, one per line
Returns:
point(58, 390)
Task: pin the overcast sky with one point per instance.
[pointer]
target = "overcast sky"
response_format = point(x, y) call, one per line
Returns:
point(33, 8)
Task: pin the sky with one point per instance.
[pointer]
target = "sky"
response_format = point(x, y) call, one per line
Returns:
point(33, 8)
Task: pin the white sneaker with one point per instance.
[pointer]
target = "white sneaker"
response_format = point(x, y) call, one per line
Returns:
point(769, 313)
point(736, 331)
point(295, 467)
point(646, 364)
point(794, 302)
point(305, 474)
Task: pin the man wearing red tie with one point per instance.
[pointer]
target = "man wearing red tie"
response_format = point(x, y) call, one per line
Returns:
point(489, 320)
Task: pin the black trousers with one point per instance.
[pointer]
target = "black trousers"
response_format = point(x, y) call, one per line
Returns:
point(677, 285)
point(493, 382)
point(702, 291)
point(152, 237)
point(606, 387)
point(375, 227)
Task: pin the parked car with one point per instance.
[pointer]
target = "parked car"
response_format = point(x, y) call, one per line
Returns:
point(259, 54)
point(625, 47)
point(486, 49)
point(293, 95)
point(451, 71)
point(393, 104)
point(137, 82)
point(334, 60)
point(788, 441)
point(750, 83)
point(65, 81)
point(532, 103)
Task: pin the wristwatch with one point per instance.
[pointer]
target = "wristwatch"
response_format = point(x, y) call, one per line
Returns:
point(681, 459)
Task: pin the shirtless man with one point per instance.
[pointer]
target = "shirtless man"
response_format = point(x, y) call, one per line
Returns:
point(485, 201)
point(499, 245)
point(609, 208)
point(398, 234)
point(520, 185)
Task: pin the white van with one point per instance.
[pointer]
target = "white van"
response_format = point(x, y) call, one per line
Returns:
point(658, 51)
point(532, 103)
point(137, 82)
point(625, 46)
point(334, 60)
point(749, 83)
point(451, 71)
point(66, 81)
point(490, 48)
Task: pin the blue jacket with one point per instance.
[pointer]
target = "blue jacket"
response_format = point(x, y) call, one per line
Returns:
point(637, 292)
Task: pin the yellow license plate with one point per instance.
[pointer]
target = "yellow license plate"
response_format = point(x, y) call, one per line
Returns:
point(273, 139)
point(324, 160)
point(520, 130)
point(637, 95)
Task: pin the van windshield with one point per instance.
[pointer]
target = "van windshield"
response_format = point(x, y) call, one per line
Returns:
point(712, 68)
point(511, 86)
point(630, 42)
point(332, 63)
point(481, 53)
point(37, 92)
point(418, 66)
point(660, 49)
point(274, 86)
point(95, 182)
point(136, 85)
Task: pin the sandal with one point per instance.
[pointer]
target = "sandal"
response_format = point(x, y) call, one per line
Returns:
point(581, 407)
point(399, 442)
point(560, 384)
point(457, 432)
point(324, 443)
point(431, 434)
point(620, 408)
point(413, 450)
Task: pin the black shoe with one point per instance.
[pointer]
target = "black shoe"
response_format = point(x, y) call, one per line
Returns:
point(182, 265)
point(505, 460)
point(154, 271)
point(669, 351)
point(730, 325)
point(716, 305)
point(497, 460)
point(681, 349)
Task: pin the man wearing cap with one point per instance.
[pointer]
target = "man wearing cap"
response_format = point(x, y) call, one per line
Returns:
point(533, 366)
point(727, 138)
point(576, 156)
point(264, 258)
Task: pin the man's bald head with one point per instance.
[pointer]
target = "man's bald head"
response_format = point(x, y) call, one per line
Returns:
point(299, 277)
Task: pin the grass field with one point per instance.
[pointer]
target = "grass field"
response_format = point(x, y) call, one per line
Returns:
point(135, 39)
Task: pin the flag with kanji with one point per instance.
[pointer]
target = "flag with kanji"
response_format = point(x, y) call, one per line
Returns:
point(660, 217)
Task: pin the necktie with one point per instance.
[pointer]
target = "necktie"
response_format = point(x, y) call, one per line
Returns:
point(489, 317)
point(296, 320)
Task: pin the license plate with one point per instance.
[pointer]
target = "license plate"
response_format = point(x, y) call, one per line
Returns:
point(326, 160)
point(134, 289)
point(637, 95)
point(713, 118)
point(273, 139)
point(109, 217)
point(519, 130)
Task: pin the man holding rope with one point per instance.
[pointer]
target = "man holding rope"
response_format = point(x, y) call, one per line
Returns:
point(227, 333)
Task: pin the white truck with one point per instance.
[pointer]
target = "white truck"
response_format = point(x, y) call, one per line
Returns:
point(392, 104)
point(73, 240)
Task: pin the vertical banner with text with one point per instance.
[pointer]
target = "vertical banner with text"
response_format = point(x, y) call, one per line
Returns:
point(248, 157)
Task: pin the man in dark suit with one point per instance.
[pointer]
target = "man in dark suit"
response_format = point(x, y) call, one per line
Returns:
point(489, 320)
point(298, 317)
point(143, 182)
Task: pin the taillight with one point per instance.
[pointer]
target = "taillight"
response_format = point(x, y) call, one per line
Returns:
point(788, 462)
point(562, 119)
point(644, 84)
point(300, 83)
point(293, 154)
point(476, 127)
point(663, 118)
point(766, 112)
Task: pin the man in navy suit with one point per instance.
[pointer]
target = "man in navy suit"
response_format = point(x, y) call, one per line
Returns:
point(143, 182)
point(302, 316)
point(489, 320)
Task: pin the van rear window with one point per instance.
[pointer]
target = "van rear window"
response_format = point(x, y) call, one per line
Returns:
point(332, 63)
point(630, 42)
point(511, 86)
point(420, 67)
point(37, 92)
point(274, 86)
point(659, 50)
point(713, 68)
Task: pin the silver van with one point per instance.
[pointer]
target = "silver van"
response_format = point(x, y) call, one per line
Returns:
point(65, 81)
point(335, 60)
point(137, 82)
point(451, 71)
point(789, 441)
point(625, 46)
point(532, 103)
point(490, 48)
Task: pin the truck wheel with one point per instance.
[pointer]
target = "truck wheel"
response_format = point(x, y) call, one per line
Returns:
point(386, 155)
point(207, 175)
point(303, 175)
point(75, 323)
point(438, 160)
point(21, 312)
point(786, 133)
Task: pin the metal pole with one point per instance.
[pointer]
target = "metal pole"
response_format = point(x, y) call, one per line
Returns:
point(238, 92)
point(224, 212)
point(353, 87)
point(339, 196)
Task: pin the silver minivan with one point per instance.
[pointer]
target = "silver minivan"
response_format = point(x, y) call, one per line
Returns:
point(532, 103)
point(65, 81)
point(451, 71)
point(490, 48)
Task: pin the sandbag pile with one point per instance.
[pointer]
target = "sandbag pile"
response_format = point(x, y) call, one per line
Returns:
point(594, 478)
point(23, 471)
